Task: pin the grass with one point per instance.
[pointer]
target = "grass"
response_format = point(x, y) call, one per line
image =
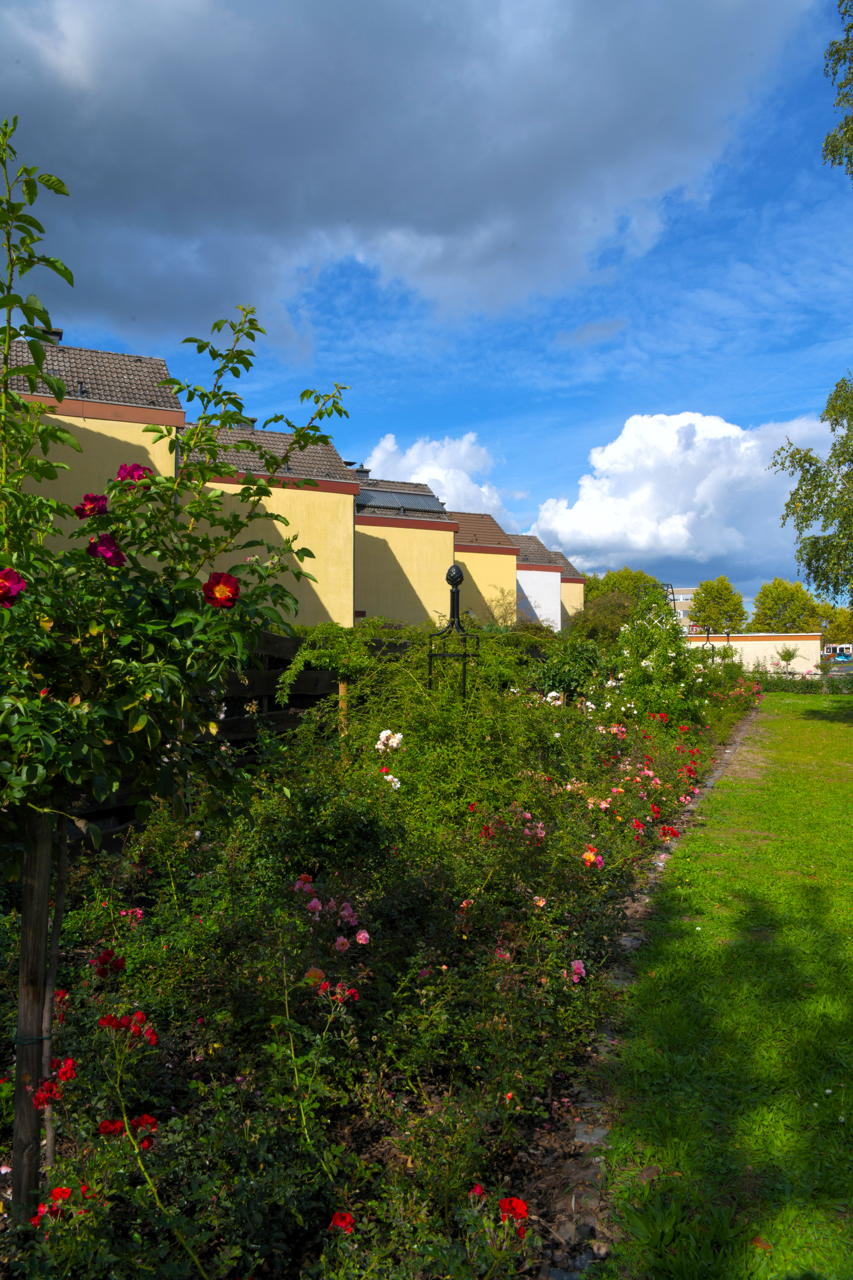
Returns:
point(730, 1155)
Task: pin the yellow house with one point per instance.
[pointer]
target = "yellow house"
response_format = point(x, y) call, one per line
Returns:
point(111, 397)
point(403, 549)
point(315, 491)
point(487, 557)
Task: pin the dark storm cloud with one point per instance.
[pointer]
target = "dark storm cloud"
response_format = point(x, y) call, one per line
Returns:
point(481, 151)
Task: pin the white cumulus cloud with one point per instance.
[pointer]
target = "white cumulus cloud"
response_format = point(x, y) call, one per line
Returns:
point(682, 489)
point(450, 467)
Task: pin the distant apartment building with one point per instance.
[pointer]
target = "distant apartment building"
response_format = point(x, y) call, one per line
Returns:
point(683, 600)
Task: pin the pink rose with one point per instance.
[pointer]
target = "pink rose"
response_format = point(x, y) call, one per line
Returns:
point(341, 943)
point(363, 937)
point(11, 585)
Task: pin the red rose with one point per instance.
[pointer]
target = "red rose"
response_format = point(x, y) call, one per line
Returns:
point(110, 1127)
point(92, 504)
point(106, 548)
point(513, 1207)
point(221, 590)
point(61, 1193)
point(132, 472)
point(11, 585)
point(343, 1221)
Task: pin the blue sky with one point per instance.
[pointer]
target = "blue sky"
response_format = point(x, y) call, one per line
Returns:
point(581, 269)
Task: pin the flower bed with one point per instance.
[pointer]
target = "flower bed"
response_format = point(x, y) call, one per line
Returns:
point(309, 1039)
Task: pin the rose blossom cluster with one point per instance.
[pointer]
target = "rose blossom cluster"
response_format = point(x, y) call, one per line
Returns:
point(388, 741)
point(144, 1128)
point(221, 591)
point(50, 1090)
point(591, 857)
point(133, 1024)
point(346, 913)
point(512, 1208)
point(60, 1198)
point(107, 962)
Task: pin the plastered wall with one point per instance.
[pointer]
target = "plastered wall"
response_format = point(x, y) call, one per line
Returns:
point(764, 648)
point(538, 594)
point(488, 591)
point(400, 571)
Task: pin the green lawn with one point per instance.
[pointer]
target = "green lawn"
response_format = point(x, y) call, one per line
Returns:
point(730, 1153)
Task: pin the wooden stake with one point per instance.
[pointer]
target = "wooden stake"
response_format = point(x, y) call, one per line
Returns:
point(35, 895)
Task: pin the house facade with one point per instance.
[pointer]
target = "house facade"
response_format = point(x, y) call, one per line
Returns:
point(377, 547)
point(403, 549)
point(488, 557)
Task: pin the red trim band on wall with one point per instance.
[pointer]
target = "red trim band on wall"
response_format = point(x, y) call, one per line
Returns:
point(468, 547)
point(104, 411)
point(390, 522)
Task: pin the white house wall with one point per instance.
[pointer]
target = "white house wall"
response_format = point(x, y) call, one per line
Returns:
point(538, 595)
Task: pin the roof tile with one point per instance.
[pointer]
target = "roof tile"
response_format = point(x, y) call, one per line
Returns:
point(108, 377)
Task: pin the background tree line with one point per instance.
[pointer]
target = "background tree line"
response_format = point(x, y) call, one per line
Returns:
point(779, 606)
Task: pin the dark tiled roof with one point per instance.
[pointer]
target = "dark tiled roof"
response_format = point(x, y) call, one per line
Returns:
point(477, 527)
point(317, 462)
point(399, 498)
point(569, 570)
point(108, 377)
point(531, 550)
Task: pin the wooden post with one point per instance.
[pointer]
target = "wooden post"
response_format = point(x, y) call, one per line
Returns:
point(343, 691)
point(50, 987)
point(35, 895)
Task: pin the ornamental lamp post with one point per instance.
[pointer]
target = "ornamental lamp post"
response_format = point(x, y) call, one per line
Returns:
point(440, 650)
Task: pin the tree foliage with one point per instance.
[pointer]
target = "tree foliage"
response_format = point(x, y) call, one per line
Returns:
point(838, 144)
point(782, 606)
point(717, 605)
point(633, 583)
point(822, 499)
point(820, 507)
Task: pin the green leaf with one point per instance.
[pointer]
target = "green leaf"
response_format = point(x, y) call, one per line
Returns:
point(58, 267)
point(54, 184)
point(185, 615)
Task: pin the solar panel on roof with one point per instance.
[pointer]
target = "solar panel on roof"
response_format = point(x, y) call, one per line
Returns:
point(403, 500)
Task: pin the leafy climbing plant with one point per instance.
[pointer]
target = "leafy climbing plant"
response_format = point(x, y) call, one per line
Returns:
point(117, 627)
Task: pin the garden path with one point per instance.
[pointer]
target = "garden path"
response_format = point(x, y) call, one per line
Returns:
point(716, 1097)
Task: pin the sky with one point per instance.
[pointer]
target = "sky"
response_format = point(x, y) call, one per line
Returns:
point(579, 265)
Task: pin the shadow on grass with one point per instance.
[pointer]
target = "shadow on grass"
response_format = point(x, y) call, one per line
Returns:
point(841, 712)
point(726, 1087)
